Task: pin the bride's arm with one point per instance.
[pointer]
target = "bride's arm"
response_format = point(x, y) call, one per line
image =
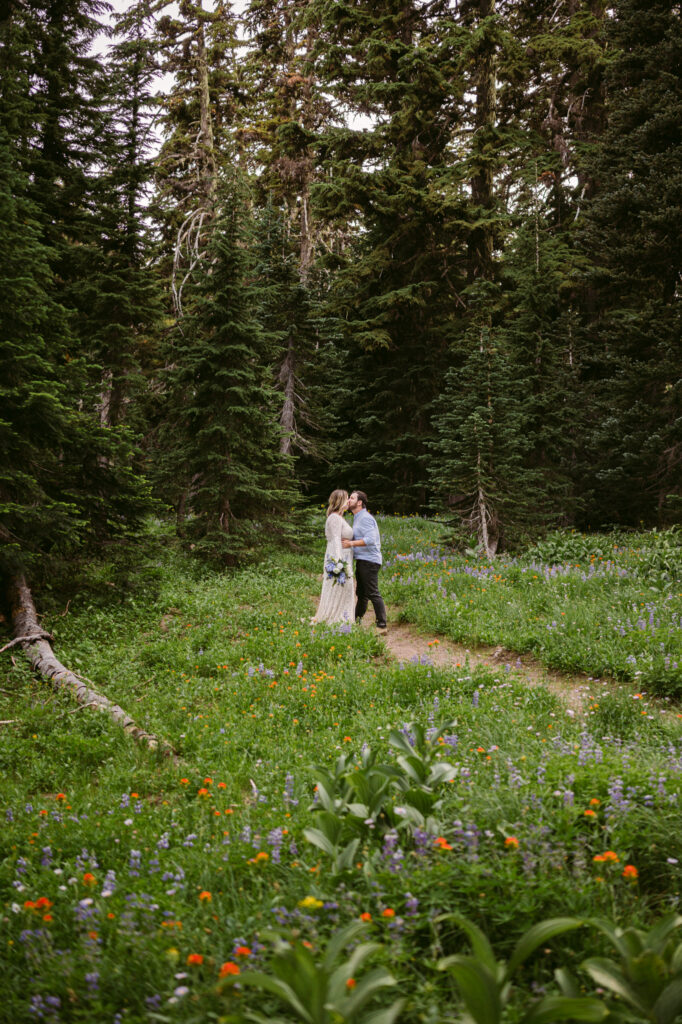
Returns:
point(332, 532)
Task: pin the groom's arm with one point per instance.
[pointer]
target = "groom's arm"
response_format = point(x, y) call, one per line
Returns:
point(359, 543)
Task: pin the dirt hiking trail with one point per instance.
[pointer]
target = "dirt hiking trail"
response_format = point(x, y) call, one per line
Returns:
point(404, 643)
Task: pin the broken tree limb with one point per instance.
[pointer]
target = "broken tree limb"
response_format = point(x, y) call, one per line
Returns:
point(43, 660)
point(24, 639)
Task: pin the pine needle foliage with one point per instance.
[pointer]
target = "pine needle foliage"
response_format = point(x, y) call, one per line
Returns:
point(235, 486)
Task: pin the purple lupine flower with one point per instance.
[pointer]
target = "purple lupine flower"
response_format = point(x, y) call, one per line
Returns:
point(411, 905)
point(92, 981)
point(46, 858)
point(134, 863)
point(275, 840)
point(109, 883)
point(289, 791)
point(392, 853)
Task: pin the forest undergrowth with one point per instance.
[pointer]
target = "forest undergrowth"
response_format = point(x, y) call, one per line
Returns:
point(337, 824)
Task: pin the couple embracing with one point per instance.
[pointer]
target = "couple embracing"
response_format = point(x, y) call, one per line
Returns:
point(358, 544)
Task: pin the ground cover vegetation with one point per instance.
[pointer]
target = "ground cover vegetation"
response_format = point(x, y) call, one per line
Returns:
point(342, 835)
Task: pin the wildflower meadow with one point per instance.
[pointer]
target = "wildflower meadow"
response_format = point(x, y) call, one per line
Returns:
point(343, 835)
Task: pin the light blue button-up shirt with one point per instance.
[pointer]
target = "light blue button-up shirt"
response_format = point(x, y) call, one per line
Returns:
point(365, 528)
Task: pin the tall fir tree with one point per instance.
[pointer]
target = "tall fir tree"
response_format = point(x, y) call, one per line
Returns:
point(632, 234)
point(232, 484)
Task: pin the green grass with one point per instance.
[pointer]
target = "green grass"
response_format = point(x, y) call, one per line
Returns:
point(602, 605)
point(259, 706)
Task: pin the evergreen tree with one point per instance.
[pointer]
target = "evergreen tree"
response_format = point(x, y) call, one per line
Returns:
point(225, 447)
point(198, 47)
point(120, 300)
point(632, 233)
point(399, 279)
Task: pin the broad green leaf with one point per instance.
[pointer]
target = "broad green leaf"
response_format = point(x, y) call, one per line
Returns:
point(325, 790)
point(387, 1016)
point(668, 1006)
point(676, 960)
point(400, 742)
point(480, 945)
point(418, 798)
point(359, 810)
point(441, 772)
point(612, 932)
point(366, 988)
point(565, 1008)
point(567, 983)
point(658, 936)
point(607, 974)
point(649, 973)
point(256, 979)
point(317, 838)
point(537, 936)
point(477, 987)
point(340, 940)
point(346, 857)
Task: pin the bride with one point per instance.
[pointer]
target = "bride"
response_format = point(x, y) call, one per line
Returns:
point(337, 600)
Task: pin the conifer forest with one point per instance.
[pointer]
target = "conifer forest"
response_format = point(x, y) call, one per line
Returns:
point(252, 253)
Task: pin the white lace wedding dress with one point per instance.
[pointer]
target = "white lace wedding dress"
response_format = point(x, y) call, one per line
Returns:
point(337, 601)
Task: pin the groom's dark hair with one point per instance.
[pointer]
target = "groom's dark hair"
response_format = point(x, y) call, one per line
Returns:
point(362, 497)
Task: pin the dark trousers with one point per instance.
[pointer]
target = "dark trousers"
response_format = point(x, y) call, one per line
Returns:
point(367, 589)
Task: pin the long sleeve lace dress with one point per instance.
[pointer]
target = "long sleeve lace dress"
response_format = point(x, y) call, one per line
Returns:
point(337, 601)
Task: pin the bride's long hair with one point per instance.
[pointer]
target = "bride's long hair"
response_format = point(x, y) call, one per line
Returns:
point(337, 500)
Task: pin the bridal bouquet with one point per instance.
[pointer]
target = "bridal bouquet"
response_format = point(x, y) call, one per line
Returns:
point(336, 570)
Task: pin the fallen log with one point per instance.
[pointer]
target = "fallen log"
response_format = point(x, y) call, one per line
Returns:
point(28, 633)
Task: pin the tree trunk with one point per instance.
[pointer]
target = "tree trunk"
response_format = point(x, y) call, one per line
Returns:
point(287, 419)
point(43, 660)
point(481, 239)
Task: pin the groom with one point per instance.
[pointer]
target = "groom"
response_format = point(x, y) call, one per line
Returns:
point(366, 544)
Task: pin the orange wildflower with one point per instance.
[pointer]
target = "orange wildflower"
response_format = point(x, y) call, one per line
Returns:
point(594, 802)
point(89, 879)
point(589, 813)
point(184, 782)
point(351, 983)
point(205, 896)
point(511, 842)
point(388, 912)
point(195, 959)
point(630, 872)
point(60, 796)
point(227, 969)
point(365, 916)
point(203, 792)
point(442, 843)
point(242, 951)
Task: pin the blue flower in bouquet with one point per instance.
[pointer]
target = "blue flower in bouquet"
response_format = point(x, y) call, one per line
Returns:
point(336, 571)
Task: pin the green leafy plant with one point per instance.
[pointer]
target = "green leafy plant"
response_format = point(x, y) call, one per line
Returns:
point(648, 978)
point(485, 983)
point(325, 990)
point(359, 801)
